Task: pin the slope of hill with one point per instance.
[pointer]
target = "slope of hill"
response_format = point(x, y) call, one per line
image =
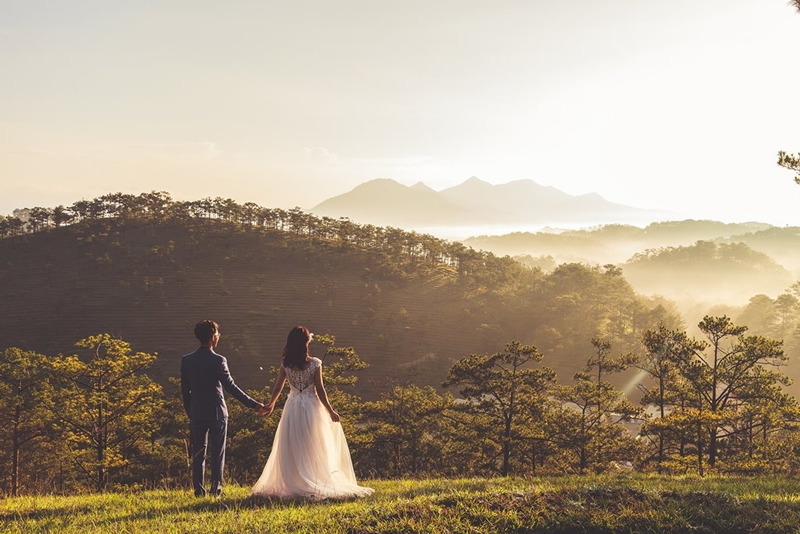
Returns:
point(474, 202)
point(722, 273)
point(781, 244)
point(408, 316)
point(149, 284)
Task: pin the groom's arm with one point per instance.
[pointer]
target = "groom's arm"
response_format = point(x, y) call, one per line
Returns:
point(230, 386)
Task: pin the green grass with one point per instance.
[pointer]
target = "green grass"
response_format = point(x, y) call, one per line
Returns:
point(633, 504)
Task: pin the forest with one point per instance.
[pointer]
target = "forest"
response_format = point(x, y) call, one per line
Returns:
point(443, 360)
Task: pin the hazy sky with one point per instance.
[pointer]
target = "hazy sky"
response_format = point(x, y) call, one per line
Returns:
point(678, 104)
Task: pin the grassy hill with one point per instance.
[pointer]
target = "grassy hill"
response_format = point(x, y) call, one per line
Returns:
point(632, 504)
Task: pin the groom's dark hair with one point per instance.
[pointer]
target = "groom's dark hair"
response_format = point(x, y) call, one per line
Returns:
point(205, 330)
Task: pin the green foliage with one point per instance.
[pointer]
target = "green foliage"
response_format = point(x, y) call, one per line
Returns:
point(106, 405)
point(777, 318)
point(586, 422)
point(25, 414)
point(409, 433)
point(164, 461)
point(340, 362)
point(502, 392)
point(719, 401)
point(577, 303)
point(663, 349)
point(791, 161)
point(116, 426)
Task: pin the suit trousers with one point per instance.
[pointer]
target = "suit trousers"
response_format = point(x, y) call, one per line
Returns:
point(208, 436)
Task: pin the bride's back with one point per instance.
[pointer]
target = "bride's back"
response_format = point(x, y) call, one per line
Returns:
point(301, 378)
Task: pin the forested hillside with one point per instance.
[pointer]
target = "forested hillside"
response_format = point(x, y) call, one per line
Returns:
point(697, 264)
point(147, 268)
point(615, 243)
point(719, 273)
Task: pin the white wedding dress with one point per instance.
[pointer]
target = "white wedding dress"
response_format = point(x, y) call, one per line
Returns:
point(309, 457)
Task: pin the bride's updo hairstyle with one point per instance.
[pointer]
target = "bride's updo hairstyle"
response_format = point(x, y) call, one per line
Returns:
point(295, 352)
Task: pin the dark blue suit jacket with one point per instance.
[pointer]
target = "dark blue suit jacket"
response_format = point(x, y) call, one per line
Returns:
point(203, 375)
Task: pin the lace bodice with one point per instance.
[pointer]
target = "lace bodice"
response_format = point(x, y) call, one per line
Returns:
point(302, 380)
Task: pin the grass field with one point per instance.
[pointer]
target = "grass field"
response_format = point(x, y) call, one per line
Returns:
point(570, 504)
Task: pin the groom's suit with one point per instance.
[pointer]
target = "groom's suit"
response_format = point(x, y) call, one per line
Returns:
point(204, 374)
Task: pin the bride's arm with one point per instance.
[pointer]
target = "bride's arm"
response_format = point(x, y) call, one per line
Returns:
point(323, 395)
point(276, 391)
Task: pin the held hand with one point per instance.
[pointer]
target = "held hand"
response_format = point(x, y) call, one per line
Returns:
point(334, 416)
point(265, 409)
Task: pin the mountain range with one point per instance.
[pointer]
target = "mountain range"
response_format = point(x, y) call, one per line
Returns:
point(475, 202)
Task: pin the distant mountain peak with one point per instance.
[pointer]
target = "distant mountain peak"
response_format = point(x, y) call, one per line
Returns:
point(593, 196)
point(469, 188)
point(474, 180)
point(379, 182)
point(423, 187)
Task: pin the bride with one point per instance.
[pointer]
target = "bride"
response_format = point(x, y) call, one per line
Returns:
point(309, 455)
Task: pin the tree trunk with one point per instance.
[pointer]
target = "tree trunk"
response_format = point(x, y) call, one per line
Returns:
point(583, 459)
point(700, 449)
point(506, 448)
point(506, 454)
point(397, 459)
point(100, 469)
point(712, 447)
point(583, 442)
point(15, 454)
point(661, 433)
point(101, 450)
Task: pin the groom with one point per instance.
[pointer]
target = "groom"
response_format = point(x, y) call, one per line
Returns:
point(203, 375)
